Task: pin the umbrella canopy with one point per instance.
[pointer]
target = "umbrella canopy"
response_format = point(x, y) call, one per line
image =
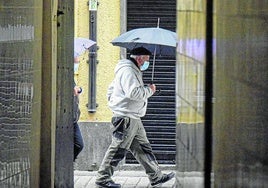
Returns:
point(157, 40)
point(81, 45)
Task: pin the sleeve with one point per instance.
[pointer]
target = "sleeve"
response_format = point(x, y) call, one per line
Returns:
point(110, 90)
point(133, 87)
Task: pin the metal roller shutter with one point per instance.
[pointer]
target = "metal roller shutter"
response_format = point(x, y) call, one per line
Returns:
point(160, 120)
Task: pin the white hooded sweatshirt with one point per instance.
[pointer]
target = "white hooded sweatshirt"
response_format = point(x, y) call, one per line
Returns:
point(127, 94)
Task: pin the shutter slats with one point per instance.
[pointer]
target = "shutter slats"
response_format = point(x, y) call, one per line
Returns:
point(160, 119)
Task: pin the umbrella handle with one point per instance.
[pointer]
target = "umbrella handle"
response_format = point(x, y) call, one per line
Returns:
point(158, 91)
point(153, 64)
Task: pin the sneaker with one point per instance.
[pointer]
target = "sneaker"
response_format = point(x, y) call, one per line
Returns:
point(164, 179)
point(109, 184)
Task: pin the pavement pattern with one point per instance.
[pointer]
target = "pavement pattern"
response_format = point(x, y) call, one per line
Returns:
point(138, 179)
point(128, 179)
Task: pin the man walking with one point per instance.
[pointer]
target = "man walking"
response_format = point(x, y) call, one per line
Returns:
point(128, 97)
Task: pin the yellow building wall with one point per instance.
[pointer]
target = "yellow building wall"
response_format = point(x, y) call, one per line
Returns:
point(108, 27)
point(190, 61)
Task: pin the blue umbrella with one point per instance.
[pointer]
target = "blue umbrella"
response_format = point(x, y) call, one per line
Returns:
point(157, 40)
point(153, 38)
point(81, 45)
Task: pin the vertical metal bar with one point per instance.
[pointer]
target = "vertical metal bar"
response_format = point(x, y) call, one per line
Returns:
point(92, 105)
point(64, 105)
point(208, 93)
point(48, 96)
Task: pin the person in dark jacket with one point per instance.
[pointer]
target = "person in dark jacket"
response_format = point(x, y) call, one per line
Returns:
point(78, 139)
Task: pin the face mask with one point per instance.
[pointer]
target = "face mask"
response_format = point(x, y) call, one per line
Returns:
point(145, 65)
point(76, 66)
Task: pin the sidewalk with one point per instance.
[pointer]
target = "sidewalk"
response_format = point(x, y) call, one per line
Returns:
point(128, 179)
point(137, 179)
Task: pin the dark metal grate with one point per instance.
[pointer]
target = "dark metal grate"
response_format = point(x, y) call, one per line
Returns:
point(146, 13)
point(160, 119)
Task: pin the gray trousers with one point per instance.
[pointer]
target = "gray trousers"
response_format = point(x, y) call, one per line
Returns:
point(128, 134)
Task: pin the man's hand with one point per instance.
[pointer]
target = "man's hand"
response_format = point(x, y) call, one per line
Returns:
point(77, 90)
point(153, 87)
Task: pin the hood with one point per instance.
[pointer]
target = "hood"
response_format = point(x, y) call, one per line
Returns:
point(125, 63)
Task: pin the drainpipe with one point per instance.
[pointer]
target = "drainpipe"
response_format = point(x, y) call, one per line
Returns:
point(208, 94)
point(92, 105)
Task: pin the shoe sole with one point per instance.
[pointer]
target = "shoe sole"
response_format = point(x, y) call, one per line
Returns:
point(100, 186)
point(160, 184)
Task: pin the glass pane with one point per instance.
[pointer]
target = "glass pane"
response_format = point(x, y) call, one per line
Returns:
point(17, 71)
point(240, 117)
point(191, 17)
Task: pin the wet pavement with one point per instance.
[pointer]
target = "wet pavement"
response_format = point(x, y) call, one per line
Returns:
point(137, 179)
